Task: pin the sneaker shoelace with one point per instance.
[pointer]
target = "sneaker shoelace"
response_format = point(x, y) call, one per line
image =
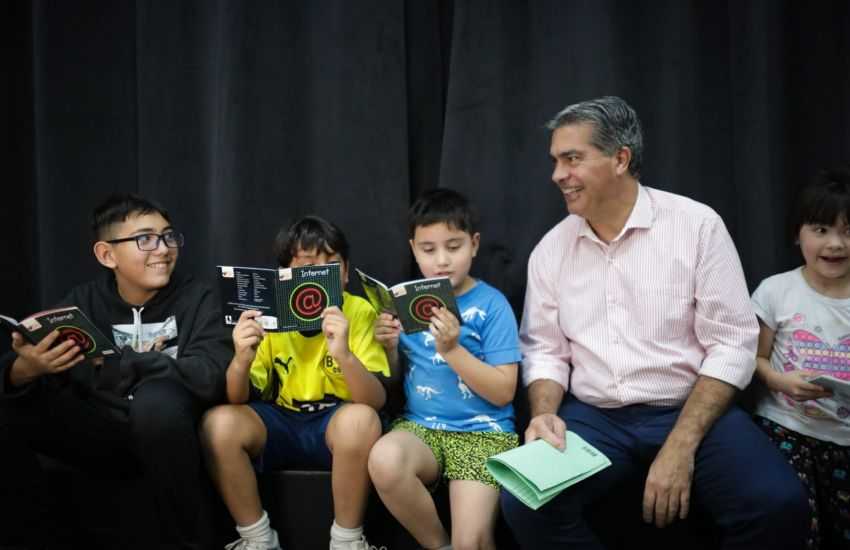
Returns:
point(244, 544)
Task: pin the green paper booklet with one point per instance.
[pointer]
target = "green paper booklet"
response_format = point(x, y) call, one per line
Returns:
point(536, 472)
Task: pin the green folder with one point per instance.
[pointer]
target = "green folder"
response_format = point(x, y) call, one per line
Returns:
point(536, 472)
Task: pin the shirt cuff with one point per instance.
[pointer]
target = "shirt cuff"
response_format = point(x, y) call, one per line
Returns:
point(560, 373)
point(731, 366)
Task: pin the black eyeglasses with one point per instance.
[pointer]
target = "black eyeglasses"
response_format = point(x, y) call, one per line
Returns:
point(150, 241)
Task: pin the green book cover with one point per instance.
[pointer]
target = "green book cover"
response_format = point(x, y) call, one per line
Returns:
point(289, 299)
point(71, 323)
point(412, 301)
point(537, 472)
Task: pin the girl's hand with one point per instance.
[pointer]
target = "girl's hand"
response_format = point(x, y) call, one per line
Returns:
point(387, 331)
point(335, 328)
point(247, 335)
point(795, 384)
point(446, 330)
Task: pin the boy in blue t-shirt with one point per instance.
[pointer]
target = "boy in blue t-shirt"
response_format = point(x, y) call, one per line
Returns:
point(459, 383)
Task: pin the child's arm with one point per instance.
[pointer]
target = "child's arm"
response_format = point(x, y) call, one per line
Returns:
point(362, 384)
point(387, 331)
point(496, 383)
point(247, 335)
point(792, 383)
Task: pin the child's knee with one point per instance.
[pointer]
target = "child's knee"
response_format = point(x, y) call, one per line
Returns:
point(220, 428)
point(355, 427)
point(386, 464)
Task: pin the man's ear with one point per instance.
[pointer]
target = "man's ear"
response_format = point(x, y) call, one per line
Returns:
point(412, 248)
point(624, 158)
point(476, 241)
point(104, 255)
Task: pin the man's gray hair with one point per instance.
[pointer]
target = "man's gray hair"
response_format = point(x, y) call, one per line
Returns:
point(615, 125)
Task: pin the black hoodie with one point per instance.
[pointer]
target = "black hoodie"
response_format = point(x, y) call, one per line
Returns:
point(186, 313)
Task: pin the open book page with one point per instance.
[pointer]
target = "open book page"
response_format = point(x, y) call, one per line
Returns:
point(249, 288)
point(377, 293)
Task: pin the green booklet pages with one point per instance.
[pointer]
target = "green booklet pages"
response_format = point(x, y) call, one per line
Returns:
point(71, 323)
point(840, 387)
point(411, 301)
point(536, 472)
point(289, 298)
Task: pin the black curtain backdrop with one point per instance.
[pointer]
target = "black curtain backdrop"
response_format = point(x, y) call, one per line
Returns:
point(241, 115)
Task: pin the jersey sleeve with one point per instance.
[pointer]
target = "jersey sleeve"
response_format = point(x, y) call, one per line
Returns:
point(361, 339)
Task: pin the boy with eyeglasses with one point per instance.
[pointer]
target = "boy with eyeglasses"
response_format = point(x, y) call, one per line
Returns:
point(133, 414)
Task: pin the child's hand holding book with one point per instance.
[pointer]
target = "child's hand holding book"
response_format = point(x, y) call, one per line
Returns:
point(335, 329)
point(36, 360)
point(446, 330)
point(247, 335)
point(387, 331)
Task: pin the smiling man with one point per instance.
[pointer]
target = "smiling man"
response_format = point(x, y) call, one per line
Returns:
point(136, 413)
point(637, 333)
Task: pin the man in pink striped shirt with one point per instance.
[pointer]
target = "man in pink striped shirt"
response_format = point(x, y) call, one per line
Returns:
point(637, 333)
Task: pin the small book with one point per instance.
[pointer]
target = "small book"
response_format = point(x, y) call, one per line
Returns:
point(537, 472)
point(289, 298)
point(840, 388)
point(413, 301)
point(71, 323)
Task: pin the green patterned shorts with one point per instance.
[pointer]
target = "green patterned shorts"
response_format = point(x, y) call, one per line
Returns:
point(461, 455)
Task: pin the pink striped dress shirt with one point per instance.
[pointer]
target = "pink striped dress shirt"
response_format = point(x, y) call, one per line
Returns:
point(637, 320)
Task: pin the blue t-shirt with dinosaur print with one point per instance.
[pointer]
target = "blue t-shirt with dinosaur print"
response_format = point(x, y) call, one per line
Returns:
point(437, 397)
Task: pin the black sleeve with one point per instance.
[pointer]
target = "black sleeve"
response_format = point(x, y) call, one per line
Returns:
point(7, 390)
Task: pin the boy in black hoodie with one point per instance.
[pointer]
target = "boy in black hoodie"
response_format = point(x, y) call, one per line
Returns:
point(135, 413)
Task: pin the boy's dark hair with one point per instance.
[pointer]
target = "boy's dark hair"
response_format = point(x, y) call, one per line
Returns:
point(442, 206)
point(824, 201)
point(309, 233)
point(120, 206)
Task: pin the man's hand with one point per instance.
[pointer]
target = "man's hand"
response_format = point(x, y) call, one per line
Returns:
point(247, 335)
point(796, 385)
point(446, 329)
point(335, 328)
point(43, 358)
point(667, 493)
point(387, 331)
point(548, 427)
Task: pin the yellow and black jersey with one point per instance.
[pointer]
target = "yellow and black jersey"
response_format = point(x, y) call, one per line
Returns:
point(299, 368)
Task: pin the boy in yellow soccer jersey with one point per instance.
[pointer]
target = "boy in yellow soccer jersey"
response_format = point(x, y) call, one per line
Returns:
point(300, 399)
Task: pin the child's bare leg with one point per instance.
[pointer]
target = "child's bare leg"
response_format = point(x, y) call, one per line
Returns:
point(401, 466)
point(475, 508)
point(350, 435)
point(231, 435)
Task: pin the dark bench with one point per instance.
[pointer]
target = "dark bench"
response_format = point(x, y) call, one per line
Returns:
point(102, 513)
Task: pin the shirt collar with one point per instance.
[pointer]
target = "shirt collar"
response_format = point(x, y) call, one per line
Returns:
point(642, 216)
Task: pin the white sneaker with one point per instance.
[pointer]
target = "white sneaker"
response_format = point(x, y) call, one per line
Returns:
point(245, 544)
point(361, 544)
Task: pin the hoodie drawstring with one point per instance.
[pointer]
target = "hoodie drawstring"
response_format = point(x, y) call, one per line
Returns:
point(137, 329)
